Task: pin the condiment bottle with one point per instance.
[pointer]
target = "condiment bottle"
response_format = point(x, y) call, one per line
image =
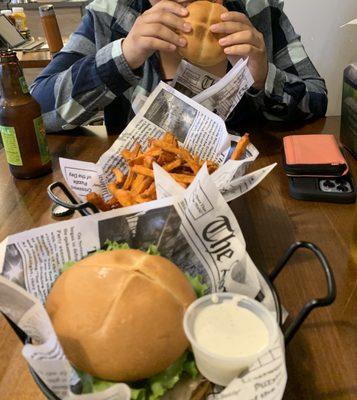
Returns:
point(21, 126)
point(20, 19)
point(50, 27)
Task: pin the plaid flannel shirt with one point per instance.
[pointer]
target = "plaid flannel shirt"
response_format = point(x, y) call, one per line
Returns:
point(90, 74)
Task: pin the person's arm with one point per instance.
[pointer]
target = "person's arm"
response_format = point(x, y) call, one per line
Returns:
point(80, 80)
point(287, 87)
point(293, 88)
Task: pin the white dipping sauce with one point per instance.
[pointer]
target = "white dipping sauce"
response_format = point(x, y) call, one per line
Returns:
point(228, 330)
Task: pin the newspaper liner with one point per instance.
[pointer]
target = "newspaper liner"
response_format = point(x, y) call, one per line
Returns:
point(219, 95)
point(198, 129)
point(196, 230)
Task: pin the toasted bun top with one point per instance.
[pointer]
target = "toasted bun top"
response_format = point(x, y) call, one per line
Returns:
point(118, 314)
point(202, 47)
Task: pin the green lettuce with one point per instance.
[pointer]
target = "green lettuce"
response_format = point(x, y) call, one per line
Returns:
point(100, 385)
point(152, 388)
point(67, 265)
point(112, 245)
point(87, 382)
point(138, 394)
point(153, 250)
point(197, 283)
point(167, 379)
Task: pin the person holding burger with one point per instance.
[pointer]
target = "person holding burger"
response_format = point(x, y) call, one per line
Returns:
point(125, 47)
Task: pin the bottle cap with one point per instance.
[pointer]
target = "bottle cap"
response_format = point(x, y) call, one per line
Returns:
point(7, 56)
point(46, 9)
point(6, 12)
point(17, 9)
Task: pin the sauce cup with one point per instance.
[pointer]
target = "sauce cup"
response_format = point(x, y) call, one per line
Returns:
point(222, 369)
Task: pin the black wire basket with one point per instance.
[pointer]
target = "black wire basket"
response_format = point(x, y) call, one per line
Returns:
point(289, 331)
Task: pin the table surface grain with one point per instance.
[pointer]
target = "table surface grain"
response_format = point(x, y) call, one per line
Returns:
point(322, 357)
point(37, 58)
point(34, 59)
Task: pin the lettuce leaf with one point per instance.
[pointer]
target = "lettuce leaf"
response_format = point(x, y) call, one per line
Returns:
point(161, 383)
point(87, 382)
point(67, 265)
point(100, 385)
point(138, 394)
point(90, 384)
point(167, 379)
point(153, 388)
point(190, 367)
point(112, 245)
point(199, 287)
point(152, 250)
point(109, 246)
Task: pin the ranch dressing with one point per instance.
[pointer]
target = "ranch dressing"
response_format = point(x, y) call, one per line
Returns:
point(228, 330)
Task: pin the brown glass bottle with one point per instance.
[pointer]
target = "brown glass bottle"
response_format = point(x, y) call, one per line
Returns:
point(50, 27)
point(21, 126)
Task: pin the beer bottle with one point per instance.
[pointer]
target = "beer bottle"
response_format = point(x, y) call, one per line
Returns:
point(50, 27)
point(21, 126)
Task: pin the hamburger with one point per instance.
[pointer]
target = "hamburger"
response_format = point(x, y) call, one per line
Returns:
point(202, 47)
point(118, 316)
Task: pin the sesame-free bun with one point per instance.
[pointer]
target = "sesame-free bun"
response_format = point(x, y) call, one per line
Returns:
point(118, 314)
point(202, 47)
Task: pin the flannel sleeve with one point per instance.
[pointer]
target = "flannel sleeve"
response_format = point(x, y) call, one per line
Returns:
point(293, 89)
point(81, 80)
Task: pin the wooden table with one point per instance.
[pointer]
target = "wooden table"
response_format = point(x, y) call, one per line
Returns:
point(321, 359)
point(34, 59)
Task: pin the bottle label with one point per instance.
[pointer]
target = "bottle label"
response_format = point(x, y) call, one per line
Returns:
point(41, 140)
point(23, 85)
point(11, 145)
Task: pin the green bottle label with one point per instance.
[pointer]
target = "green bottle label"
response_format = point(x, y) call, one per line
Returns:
point(23, 85)
point(11, 146)
point(41, 140)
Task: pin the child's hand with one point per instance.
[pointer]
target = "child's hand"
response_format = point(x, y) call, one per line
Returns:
point(244, 40)
point(157, 29)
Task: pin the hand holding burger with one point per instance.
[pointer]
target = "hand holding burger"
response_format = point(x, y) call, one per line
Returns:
point(203, 48)
point(243, 40)
point(217, 33)
point(157, 29)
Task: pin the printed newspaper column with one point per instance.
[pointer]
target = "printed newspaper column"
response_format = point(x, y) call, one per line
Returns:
point(223, 96)
point(30, 316)
point(217, 233)
point(238, 187)
point(265, 380)
point(220, 95)
point(199, 130)
point(237, 279)
point(82, 177)
point(191, 80)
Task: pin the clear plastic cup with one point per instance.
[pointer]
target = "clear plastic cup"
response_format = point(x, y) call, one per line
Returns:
point(219, 369)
